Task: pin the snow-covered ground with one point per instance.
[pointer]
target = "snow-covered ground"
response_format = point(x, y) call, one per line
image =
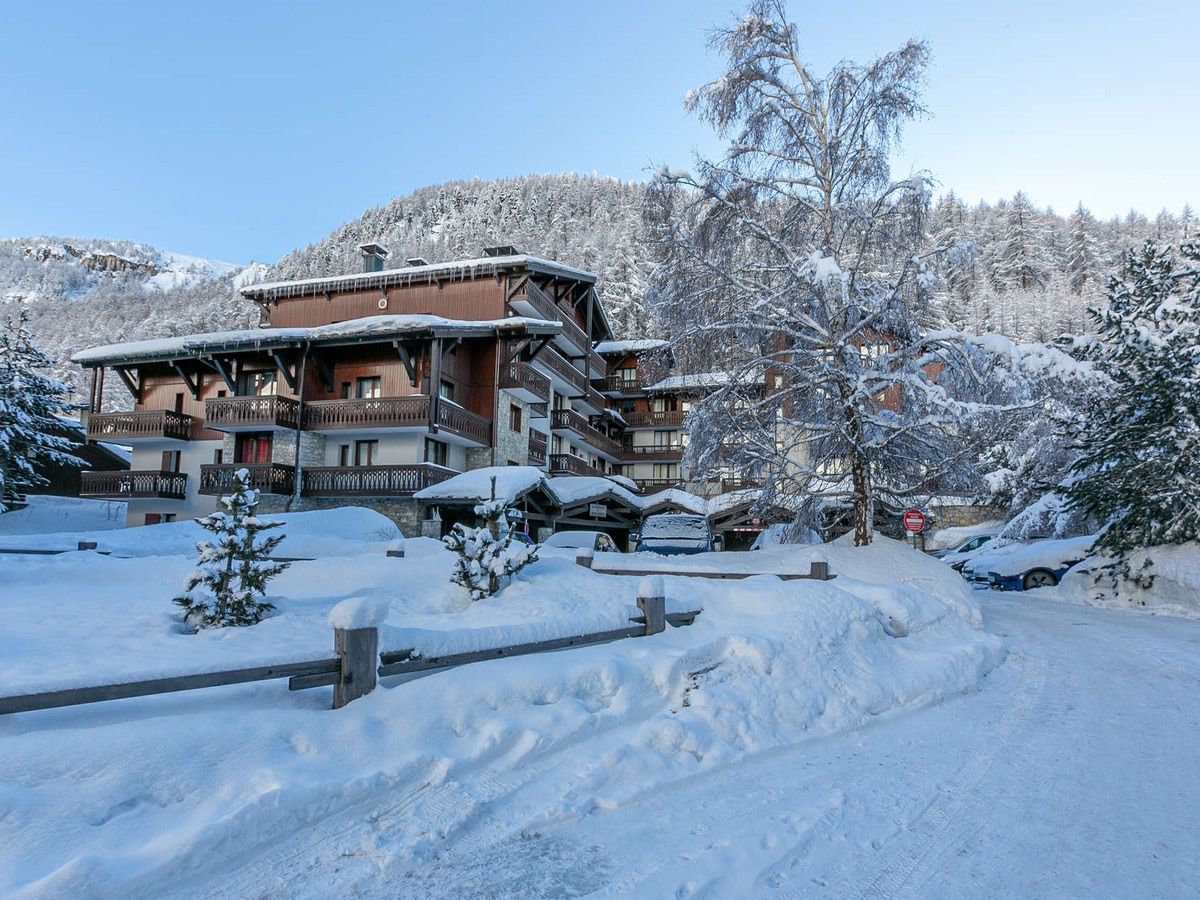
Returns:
point(49, 515)
point(866, 736)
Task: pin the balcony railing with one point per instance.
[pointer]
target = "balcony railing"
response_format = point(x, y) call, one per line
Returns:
point(739, 484)
point(148, 425)
point(134, 485)
point(526, 382)
point(246, 413)
point(267, 478)
point(395, 412)
point(652, 452)
point(654, 485)
point(537, 449)
point(551, 361)
point(566, 464)
point(618, 384)
point(672, 419)
point(370, 481)
point(571, 421)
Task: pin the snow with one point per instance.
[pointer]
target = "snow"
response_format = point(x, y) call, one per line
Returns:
point(790, 738)
point(48, 514)
point(634, 346)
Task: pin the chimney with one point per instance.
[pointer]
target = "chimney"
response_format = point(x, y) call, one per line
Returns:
point(504, 250)
point(373, 257)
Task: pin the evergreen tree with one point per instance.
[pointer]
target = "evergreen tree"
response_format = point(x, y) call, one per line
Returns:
point(31, 402)
point(229, 582)
point(1139, 471)
point(487, 553)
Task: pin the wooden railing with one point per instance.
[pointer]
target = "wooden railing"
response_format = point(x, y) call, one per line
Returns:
point(551, 361)
point(537, 449)
point(569, 420)
point(617, 384)
point(145, 425)
point(268, 478)
point(672, 452)
point(566, 464)
point(395, 412)
point(266, 411)
point(377, 412)
point(671, 419)
point(134, 484)
point(654, 485)
point(522, 376)
point(370, 481)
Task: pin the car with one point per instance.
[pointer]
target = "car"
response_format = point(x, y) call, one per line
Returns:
point(519, 537)
point(1024, 567)
point(672, 534)
point(955, 557)
point(591, 540)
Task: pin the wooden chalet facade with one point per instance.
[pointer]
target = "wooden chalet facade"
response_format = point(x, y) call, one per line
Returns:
point(364, 388)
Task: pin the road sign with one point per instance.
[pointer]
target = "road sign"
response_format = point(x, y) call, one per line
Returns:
point(914, 521)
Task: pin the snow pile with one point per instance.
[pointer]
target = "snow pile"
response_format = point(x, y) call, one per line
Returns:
point(1174, 590)
point(44, 514)
point(162, 794)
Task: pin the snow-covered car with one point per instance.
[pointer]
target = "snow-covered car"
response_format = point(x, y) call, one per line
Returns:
point(591, 540)
point(675, 533)
point(955, 557)
point(1040, 564)
point(518, 537)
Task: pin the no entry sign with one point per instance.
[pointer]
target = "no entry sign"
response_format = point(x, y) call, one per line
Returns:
point(914, 521)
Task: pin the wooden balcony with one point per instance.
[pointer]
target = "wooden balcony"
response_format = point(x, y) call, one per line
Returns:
point(136, 427)
point(254, 413)
point(395, 413)
point(537, 449)
point(566, 464)
point(567, 421)
point(618, 385)
point(267, 478)
point(672, 419)
point(654, 485)
point(551, 362)
point(653, 453)
point(133, 485)
point(522, 380)
point(370, 481)
point(531, 300)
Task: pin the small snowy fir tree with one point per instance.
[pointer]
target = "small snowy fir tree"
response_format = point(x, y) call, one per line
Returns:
point(1139, 472)
point(31, 402)
point(227, 587)
point(488, 553)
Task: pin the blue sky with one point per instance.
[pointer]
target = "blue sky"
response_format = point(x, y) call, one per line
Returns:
point(242, 130)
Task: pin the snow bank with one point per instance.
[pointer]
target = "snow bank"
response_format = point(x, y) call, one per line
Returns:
point(52, 515)
point(1175, 589)
point(161, 794)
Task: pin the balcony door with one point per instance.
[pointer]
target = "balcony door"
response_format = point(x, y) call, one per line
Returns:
point(253, 448)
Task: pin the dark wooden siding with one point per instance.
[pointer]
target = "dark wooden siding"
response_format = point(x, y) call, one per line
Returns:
point(480, 299)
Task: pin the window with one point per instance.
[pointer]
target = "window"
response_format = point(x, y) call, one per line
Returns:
point(625, 407)
point(343, 455)
point(446, 391)
point(366, 453)
point(179, 403)
point(628, 376)
point(218, 456)
point(665, 404)
point(514, 417)
point(346, 390)
point(368, 388)
point(253, 448)
point(666, 439)
point(435, 452)
point(260, 384)
point(666, 471)
point(170, 461)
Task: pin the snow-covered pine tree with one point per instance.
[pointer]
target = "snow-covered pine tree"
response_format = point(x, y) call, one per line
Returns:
point(487, 553)
point(31, 402)
point(1139, 471)
point(799, 254)
point(229, 583)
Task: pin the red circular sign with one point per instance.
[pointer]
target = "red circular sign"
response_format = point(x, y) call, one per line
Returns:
point(914, 521)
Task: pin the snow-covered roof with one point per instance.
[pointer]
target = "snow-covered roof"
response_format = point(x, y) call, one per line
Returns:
point(463, 269)
point(703, 382)
point(366, 329)
point(570, 490)
point(512, 483)
point(677, 498)
point(640, 346)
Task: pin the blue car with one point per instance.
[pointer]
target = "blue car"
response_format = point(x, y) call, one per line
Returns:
point(1040, 564)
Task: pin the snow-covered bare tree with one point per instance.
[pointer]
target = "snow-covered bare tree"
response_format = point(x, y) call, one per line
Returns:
point(799, 251)
point(1139, 473)
point(31, 402)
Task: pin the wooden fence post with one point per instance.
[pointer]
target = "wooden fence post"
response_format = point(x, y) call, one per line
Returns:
point(358, 649)
point(395, 549)
point(651, 600)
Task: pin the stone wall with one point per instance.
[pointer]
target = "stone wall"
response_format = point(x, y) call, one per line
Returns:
point(408, 514)
point(312, 448)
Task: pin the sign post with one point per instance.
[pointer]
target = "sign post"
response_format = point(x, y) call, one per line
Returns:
point(914, 521)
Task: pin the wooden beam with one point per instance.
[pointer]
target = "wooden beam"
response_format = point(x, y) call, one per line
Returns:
point(193, 386)
point(217, 364)
point(323, 370)
point(289, 374)
point(134, 385)
point(406, 358)
point(515, 286)
point(435, 385)
point(517, 348)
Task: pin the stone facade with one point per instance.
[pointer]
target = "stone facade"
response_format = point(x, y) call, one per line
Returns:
point(312, 448)
point(408, 514)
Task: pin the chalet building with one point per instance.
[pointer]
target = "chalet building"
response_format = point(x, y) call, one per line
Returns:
point(365, 388)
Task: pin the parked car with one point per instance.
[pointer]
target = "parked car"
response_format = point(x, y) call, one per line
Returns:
point(957, 555)
point(519, 537)
point(592, 540)
point(1040, 564)
point(675, 533)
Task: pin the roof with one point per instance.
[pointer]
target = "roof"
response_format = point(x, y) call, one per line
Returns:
point(458, 270)
point(703, 382)
point(354, 331)
point(640, 346)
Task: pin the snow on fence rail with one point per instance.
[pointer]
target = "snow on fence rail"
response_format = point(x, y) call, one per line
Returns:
point(358, 664)
point(818, 570)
